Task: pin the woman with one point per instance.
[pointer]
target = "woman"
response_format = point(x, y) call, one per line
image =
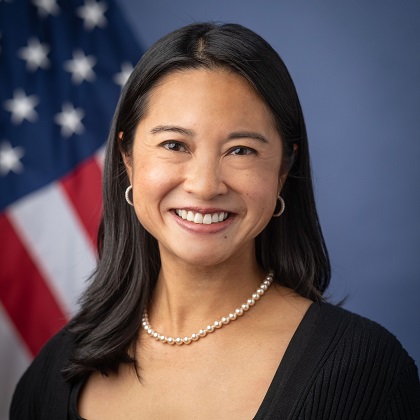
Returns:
point(207, 299)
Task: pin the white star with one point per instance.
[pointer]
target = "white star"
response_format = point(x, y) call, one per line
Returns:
point(81, 67)
point(70, 120)
point(92, 14)
point(10, 158)
point(122, 77)
point(22, 107)
point(46, 7)
point(35, 55)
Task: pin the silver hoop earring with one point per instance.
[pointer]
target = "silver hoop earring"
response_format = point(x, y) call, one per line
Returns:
point(283, 206)
point(127, 196)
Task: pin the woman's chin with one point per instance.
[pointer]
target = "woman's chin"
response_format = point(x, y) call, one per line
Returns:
point(199, 258)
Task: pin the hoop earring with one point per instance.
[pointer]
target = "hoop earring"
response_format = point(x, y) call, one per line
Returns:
point(283, 206)
point(127, 196)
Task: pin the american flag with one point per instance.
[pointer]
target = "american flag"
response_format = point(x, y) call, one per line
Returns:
point(62, 66)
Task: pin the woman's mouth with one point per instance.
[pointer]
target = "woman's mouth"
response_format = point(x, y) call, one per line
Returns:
point(201, 218)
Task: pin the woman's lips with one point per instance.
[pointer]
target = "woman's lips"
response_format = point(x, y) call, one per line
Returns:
point(203, 221)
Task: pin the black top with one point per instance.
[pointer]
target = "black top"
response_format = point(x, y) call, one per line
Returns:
point(338, 365)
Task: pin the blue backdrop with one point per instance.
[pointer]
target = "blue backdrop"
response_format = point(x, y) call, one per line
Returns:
point(357, 71)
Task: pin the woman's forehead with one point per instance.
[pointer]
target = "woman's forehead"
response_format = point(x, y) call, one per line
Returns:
point(192, 91)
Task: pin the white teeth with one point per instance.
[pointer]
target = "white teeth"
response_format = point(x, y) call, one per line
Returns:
point(206, 219)
point(198, 218)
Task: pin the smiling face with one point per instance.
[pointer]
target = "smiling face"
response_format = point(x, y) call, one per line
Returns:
point(205, 167)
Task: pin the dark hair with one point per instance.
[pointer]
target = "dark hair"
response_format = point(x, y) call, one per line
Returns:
point(292, 245)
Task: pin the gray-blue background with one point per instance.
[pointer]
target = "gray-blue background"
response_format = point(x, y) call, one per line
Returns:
point(357, 71)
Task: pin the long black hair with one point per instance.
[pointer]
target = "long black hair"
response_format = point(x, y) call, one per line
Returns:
point(108, 323)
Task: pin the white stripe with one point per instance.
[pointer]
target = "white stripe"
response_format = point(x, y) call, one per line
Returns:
point(49, 228)
point(14, 357)
point(100, 157)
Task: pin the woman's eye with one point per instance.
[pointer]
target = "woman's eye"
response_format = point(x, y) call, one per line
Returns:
point(175, 146)
point(242, 151)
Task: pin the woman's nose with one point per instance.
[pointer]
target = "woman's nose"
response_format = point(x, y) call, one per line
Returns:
point(204, 178)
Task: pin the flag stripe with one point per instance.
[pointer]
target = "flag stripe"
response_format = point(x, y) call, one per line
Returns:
point(15, 357)
point(100, 157)
point(46, 317)
point(83, 188)
point(60, 248)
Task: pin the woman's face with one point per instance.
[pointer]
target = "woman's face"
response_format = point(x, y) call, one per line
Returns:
point(205, 166)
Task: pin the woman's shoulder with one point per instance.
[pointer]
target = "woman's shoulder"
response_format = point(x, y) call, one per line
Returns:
point(42, 384)
point(53, 354)
point(362, 361)
point(368, 339)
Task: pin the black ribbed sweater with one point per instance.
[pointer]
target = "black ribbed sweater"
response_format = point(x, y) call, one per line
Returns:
point(337, 366)
point(343, 366)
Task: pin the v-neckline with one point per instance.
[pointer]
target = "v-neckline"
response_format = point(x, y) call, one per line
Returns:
point(293, 353)
point(282, 375)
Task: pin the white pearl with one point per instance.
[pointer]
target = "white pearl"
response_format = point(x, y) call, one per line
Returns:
point(195, 337)
point(225, 320)
point(239, 311)
point(170, 341)
point(250, 302)
point(162, 339)
point(202, 333)
point(255, 296)
point(263, 286)
point(266, 283)
point(210, 328)
point(150, 331)
point(245, 307)
point(232, 317)
point(217, 324)
point(260, 292)
point(156, 335)
point(187, 340)
point(179, 341)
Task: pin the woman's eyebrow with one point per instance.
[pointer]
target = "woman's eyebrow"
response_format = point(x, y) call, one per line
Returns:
point(247, 134)
point(191, 133)
point(172, 128)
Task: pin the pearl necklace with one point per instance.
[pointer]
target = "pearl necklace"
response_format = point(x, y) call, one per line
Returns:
point(212, 327)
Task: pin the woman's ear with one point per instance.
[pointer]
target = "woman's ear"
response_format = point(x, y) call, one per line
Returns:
point(283, 174)
point(282, 180)
point(294, 155)
point(126, 159)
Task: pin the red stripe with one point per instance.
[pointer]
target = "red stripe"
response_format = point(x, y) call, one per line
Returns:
point(83, 188)
point(24, 293)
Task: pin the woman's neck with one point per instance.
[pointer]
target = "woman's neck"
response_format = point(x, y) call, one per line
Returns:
point(189, 297)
